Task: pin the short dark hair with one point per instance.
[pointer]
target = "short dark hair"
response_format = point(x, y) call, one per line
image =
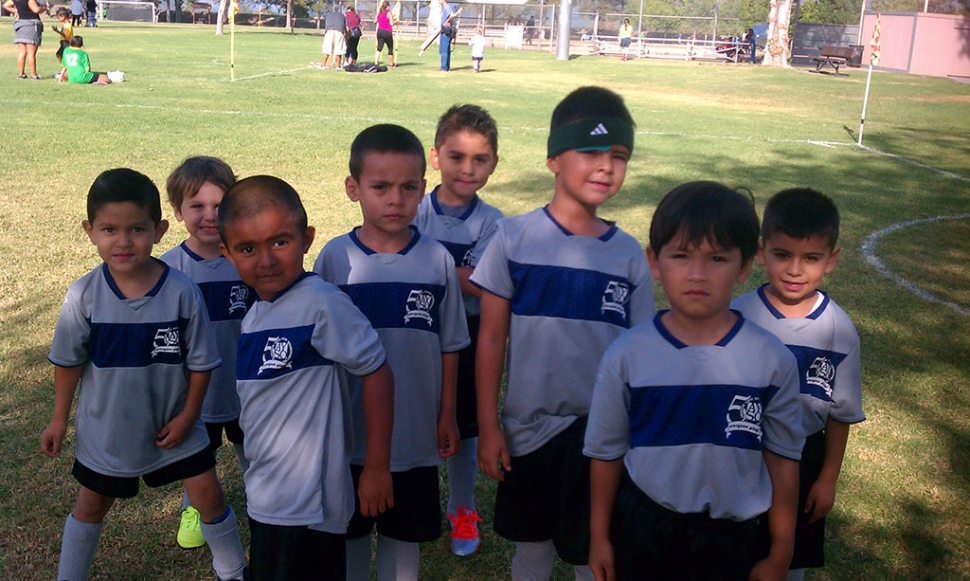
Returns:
point(77, 41)
point(254, 195)
point(589, 102)
point(124, 185)
point(384, 138)
point(470, 118)
point(185, 181)
point(801, 213)
point(63, 11)
point(706, 210)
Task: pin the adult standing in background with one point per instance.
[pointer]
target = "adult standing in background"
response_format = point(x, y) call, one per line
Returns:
point(335, 39)
point(92, 13)
point(530, 29)
point(77, 12)
point(385, 33)
point(447, 34)
point(353, 35)
point(27, 30)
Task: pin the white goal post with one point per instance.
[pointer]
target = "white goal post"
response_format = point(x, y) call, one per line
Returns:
point(127, 11)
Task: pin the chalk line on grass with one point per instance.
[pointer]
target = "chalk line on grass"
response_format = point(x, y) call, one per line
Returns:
point(869, 251)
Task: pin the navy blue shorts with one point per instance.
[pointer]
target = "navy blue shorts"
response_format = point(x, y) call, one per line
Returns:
point(416, 516)
point(466, 407)
point(278, 552)
point(127, 487)
point(233, 433)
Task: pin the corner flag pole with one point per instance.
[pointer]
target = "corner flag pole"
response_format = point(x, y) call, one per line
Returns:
point(233, 9)
point(876, 45)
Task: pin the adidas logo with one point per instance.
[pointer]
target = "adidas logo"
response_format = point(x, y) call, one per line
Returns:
point(600, 130)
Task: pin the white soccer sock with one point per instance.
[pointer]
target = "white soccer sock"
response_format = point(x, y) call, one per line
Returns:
point(462, 470)
point(78, 544)
point(397, 560)
point(241, 457)
point(228, 558)
point(796, 574)
point(583, 573)
point(533, 561)
point(359, 558)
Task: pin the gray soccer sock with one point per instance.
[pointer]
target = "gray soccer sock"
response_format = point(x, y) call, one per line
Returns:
point(185, 499)
point(397, 560)
point(533, 561)
point(241, 457)
point(462, 469)
point(228, 558)
point(77, 549)
point(359, 558)
point(583, 573)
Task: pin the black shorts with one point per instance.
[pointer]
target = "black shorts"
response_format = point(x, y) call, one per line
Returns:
point(233, 433)
point(127, 487)
point(546, 496)
point(416, 516)
point(671, 545)
point(466, 408)
point(280, 553)
point(385, 37)
point(809, 537)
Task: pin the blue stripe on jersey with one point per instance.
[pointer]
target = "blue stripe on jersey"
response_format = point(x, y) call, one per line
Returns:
point(674, 415)
point(273, 353)
point(570, 293)
point(462, 253)
point(816, 370)
point(399, 305)
point(227, 300)
point(115, 345)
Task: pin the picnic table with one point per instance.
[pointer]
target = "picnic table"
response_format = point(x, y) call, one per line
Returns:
point(834, 57)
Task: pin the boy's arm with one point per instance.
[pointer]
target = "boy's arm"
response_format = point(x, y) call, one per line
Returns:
point(65, 384)
point(781, 518)
point(175, 432)
point(604, 480)
point(493, 332)
point(448, 436)
point(375, 489)
point(821, 496)
point(468, 289)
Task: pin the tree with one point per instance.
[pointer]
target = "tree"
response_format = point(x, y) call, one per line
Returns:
point(778, 44)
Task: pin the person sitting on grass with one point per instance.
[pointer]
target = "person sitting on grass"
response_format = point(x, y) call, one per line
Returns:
point(77, 65)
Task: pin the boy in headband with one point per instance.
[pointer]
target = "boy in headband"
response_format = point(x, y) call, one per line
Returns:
point(558, 285)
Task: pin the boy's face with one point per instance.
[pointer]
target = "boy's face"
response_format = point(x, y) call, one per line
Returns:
point(267, 250)
point(699, 280)
point(124, 235)
point(795, 267)
point(465, 160)
point(590, 177)
point(201, 215)
point(389, 190)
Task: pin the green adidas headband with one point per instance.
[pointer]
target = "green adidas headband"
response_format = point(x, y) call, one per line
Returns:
point(595, 133)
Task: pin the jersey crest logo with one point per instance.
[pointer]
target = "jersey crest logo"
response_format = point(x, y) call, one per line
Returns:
point(615, 297)
point(166, 341)
point(277, 354)
point(744, 415)
point(419, 306)
point(237, 297)
point(821, 373)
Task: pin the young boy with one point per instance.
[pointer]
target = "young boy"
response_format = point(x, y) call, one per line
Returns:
point(695, 425)
point(77, 66)
point(134, 321)
point(195, 190)
point(406, 284)
point(559, 285)
point(799, 237)
point(298, 343)
point(465, 152)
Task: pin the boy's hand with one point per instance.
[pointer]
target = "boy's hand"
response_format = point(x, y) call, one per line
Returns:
point(51, 439)
point(173, 434)
point(601, 560)
point(493, 454)
point(376, 491)
point(769, 569)
point(820, 500)
point(448, 436)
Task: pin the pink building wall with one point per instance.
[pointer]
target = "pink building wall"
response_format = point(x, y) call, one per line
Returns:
point(921, 43)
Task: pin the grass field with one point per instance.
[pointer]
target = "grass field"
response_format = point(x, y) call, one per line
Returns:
point(904, 497)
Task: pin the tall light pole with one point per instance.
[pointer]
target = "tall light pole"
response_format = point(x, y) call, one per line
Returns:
point(562, 44)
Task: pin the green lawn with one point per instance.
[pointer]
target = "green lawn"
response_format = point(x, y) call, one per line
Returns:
point(903, 501)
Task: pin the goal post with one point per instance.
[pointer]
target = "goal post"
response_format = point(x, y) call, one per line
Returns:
point(127, 11)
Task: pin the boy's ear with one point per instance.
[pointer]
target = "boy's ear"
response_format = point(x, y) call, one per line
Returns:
point(745, 270)
point(160, 229)
point(353, 189)
point(833, 257)
point(308, 236)
point(761, 252)
point(178, 213)
point(433, 156)
point(553, 164)
point(654, 266)
point(88, 229)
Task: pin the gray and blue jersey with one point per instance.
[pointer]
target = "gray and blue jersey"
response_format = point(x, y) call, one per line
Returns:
point(413, 300)
point(293, 354)
point(136, 355)
point(465, 236)
point(226, 299)
point(691, 422)
point(570, 296)
point(826, 345)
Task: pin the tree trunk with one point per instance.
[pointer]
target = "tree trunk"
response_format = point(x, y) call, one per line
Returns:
point(778, 44)
point(289, 14)
point(223, 8)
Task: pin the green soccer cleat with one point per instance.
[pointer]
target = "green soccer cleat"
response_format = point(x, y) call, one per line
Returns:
point(190, 530)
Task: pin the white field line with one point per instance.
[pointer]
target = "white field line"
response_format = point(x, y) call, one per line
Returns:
point(869, 251)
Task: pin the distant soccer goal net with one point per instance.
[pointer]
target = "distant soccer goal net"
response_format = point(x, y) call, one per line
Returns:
point(127, 11)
